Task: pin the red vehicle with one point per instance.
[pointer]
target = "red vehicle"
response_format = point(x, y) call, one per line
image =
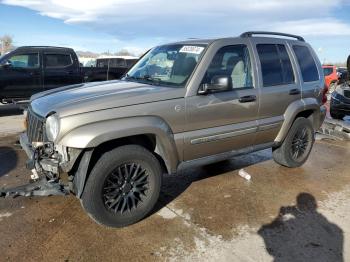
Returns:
point(331, 76)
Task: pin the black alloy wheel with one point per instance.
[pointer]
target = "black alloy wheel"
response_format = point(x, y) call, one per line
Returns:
point(300, 143)
point(125, 188)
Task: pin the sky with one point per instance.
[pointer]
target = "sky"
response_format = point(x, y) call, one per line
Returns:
point(137, 25)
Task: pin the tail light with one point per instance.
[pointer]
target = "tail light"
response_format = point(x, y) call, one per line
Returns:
point(324, 94)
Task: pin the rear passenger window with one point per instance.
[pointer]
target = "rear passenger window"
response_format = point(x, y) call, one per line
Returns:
point(275, 65)
point(57, 60)
point(307, 63)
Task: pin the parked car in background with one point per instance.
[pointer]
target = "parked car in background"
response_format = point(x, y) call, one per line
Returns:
point(31, 69)
point(183, 103)
point(331, 77)
point(109, 68)
point(341, 71)
point(87, 61)
point(340, 102)
point(340, 99)
point(116, 61)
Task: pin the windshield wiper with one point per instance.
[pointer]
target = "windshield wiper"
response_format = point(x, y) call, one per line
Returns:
point(145, 77)
point(153, 79)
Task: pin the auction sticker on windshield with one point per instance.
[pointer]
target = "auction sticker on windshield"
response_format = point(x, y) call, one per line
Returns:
point(192, 49)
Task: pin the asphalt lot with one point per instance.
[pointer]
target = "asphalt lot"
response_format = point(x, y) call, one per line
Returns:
point(207, 213)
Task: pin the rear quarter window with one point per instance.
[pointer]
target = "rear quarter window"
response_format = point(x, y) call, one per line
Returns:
point(306, 63)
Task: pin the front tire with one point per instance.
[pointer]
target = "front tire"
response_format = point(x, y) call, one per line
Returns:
point(123, 186)
point(297, 145)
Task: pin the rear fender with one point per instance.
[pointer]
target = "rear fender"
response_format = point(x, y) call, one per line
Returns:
point(295, 108)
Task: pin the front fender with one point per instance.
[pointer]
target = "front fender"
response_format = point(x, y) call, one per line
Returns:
point(94, 134)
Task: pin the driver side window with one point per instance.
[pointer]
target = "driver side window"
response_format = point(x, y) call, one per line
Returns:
point(25, 60)
point(234, 62)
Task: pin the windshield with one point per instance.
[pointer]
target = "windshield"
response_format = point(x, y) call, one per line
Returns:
point(169, 65)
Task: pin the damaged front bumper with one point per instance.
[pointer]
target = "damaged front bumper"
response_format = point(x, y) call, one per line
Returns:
point(41, 187)
point(34, 161)
point(45, 173)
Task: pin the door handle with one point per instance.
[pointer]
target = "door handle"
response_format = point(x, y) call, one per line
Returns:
point(247, 99)
point(34, 73)
point(294, 91)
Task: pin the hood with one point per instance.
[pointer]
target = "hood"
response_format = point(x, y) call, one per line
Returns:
point(76, 99)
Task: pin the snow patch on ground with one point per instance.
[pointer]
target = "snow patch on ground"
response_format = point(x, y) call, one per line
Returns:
point(166, 213)
point(5, 215)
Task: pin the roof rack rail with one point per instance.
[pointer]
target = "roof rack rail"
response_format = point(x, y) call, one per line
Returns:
point(251, 33)
point(42, 46)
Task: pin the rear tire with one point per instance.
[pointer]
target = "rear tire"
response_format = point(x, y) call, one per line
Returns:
point(123, 186)
point(296, 147)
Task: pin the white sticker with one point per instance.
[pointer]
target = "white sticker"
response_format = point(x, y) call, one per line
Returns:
point(192, 49)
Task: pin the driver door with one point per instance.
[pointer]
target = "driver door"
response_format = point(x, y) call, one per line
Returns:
point(21, 78)
point(220, 122)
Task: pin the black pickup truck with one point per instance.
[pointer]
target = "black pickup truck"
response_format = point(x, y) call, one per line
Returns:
point(31, 69)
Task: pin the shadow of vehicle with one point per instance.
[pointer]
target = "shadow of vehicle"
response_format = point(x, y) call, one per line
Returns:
point(10, 110)
point(175, 185)
point(300, 233)
point(8, 160)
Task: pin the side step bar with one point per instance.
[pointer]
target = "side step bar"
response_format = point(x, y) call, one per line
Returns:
point(41, 187)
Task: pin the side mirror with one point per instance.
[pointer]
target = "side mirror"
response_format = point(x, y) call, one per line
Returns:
point(217, 84)
point(7, 64)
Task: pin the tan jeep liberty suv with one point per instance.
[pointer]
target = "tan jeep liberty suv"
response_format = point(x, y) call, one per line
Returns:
point(191, 102)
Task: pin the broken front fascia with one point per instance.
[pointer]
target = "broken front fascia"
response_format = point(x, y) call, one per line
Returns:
point(45, 157)
point(44, 163)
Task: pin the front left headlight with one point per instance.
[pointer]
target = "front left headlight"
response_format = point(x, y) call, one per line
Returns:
point(52, 127)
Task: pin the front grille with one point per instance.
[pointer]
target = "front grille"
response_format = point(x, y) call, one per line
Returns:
point(35, 130)
point(347, 93)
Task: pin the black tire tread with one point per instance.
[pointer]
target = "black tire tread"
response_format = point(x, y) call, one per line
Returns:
point(106, 160)
point(281, 154)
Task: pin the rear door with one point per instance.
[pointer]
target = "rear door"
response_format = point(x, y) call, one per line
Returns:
point(223, 121)
point(279, 85)
point(60, 69)
point(22, 77)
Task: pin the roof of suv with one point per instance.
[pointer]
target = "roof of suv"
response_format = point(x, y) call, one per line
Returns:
point(43, 47)
point(264, 34)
